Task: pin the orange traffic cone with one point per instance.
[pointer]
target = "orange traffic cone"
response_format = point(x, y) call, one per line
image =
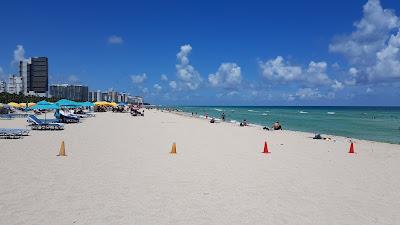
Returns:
point(62, 150)
point(265, 148)
point(173, 150)
point(351, 148)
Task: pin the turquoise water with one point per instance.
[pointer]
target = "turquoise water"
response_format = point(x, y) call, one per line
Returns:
point(369, 123)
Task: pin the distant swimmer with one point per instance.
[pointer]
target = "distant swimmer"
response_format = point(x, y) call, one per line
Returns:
point(277, 126)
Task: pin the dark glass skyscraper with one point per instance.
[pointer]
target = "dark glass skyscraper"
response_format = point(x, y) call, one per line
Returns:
point(38, 75)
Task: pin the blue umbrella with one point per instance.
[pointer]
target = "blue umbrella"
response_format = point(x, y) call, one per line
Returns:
point(122, 104)
point(67, 103)
point(43, 105)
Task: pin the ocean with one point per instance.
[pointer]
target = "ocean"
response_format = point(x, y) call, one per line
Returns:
point(369, 123)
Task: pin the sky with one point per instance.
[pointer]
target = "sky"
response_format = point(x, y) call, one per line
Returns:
point(287, 52)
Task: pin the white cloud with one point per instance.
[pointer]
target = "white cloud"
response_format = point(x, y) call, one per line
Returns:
point(173, 84)
point(19, 55)
point(189, 78)
point(373, 47)
point(337, 85)
point(282, 71)
point(278, 69)
point(138, 79)
point(228, 75)
point(114, 39)
point(157, 87)
point(316, 73)
point(369, 90)
point(164, 77)
point(145, 90)
point(308, 93)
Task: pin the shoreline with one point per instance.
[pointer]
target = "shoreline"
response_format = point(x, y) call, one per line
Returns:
point(334, 137)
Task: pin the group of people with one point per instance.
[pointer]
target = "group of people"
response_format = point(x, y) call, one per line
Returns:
point(275, 126)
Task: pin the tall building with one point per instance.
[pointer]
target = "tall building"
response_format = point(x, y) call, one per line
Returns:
point(23, 72)
point(15, 85)
point(3, 86)
point(72, 92)
point(137, 100)
point(36, 71)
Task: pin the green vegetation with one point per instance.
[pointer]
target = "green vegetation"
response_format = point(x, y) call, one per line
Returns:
point(20, 98)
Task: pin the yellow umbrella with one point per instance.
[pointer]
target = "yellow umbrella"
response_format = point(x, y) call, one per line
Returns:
point(113, 104)
point(14, 104)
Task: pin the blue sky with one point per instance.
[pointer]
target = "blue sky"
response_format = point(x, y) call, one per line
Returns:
point(214, 52)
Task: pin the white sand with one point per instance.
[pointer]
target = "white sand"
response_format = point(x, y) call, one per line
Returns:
point(119, 171)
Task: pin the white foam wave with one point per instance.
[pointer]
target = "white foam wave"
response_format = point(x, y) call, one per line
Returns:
point(331, 113)
point(303, 112)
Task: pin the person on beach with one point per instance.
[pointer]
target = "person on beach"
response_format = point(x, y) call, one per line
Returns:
point(277, 126)
point(212, 120)
point(223, 116)
point(206, 115)
point(244, 123)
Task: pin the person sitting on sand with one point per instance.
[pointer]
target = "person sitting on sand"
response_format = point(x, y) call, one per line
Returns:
point(212, 120)
point(244, 123)
point(277, 126)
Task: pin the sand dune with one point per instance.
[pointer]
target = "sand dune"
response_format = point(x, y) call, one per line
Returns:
point(118, 170)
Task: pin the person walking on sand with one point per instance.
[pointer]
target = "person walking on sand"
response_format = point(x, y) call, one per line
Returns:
point(223, 116)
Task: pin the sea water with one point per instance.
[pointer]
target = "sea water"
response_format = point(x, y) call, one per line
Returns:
point(368, 123)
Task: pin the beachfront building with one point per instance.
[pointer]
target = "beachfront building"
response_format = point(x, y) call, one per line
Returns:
point(34, 75)
point(68, 91)
point(23, 72)
point(14, 85)
point(137, 100)
point(110, 96)
point(3, 86)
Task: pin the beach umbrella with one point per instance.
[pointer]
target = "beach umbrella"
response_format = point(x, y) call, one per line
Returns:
point(67, 103)
point(13, 104)
point(122, 104)
point(44, 105)
point(113, 104)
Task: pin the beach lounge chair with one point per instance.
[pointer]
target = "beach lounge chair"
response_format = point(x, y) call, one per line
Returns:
point(65, 118)
point(38, 124)
point(13, 133)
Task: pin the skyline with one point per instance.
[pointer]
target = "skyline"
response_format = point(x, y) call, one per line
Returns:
point(216, 53)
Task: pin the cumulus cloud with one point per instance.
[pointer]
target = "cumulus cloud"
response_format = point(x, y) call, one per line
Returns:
point(164, 77)
point(278, 69)
point(282, 71)
point(373, 47)
point(157, 87)
point(19, 55)
point(228, 75)
point(173, 84)
point(115, 40)
point(308, 93)
point(189, 77)
point(337, 85)
point(138, 79)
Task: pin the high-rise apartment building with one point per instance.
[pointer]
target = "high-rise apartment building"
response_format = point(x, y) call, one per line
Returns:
point(38, 76)
point(72, 92)
point(15, 85)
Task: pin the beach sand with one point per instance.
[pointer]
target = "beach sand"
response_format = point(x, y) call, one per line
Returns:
point(118, 170)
